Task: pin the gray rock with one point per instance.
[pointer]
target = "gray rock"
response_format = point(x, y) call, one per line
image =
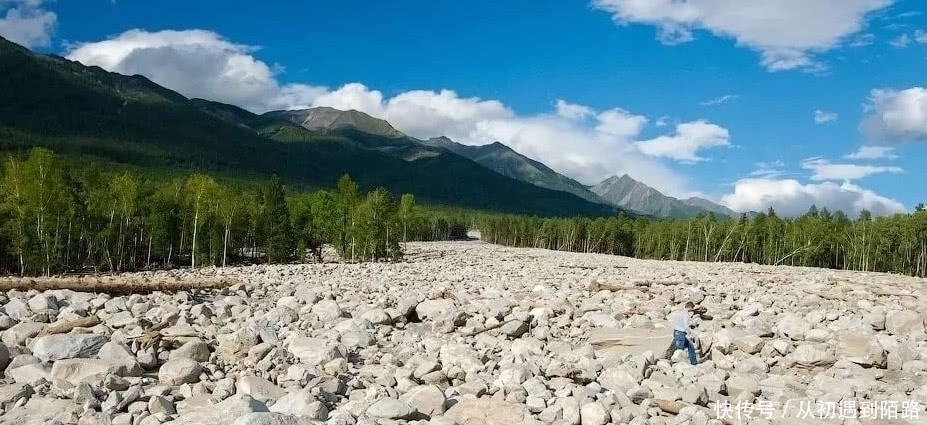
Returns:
point(4, 356)
point(861, 348)
point(301, 403)
point(17, 334)
point(75, 371)
point(426, 399)
point(313, 351)
point(327, 310)
point(593, 414)
point(260, 389)
point(390, 408)
point(904, 322)
point(10, 394)
point(30, 374)
point(269, 418)
point(52, 348)
point(158, 404)
point(195, 350)
point(43, 303)
point(120, 357)
point(179, 371)
point(223, 413)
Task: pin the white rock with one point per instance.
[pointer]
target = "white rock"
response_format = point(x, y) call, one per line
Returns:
point(68, 346)
point(301, 403)
point(259, 388)
point(390, 408)
point(268, 418)
point(179, 371)
point(593, 414)
point(426, 399)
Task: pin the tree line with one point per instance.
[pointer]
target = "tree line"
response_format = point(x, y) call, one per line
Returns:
point(56, 219)
point(819, 238)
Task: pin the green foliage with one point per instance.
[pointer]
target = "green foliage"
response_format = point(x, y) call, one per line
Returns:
point(279, 245)
point(53, 219)
point(896, 244)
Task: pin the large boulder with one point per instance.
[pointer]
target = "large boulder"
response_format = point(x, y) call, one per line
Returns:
point(179, 371)
point(904, 322)
point(120, 357)
point(390, 408)
point(223, 413)
point(270, 418)
point(862, 348)
point(301, 403)
point(313, 351)
point(77, 370)
point(427, 399)
point(259, 388)
point(611, 344)
point(811, 355)
point(435, 309)
point(489, 412)
point(52, 348)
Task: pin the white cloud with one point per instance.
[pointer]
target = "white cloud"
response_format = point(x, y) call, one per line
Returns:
point(896, 116)
point(787, 33)
point(768, 169)
point(920, 36)
point(662, 121)
point(822, 117)
point(791, 198)
point(197, 63)
point(718, 100)
point(689, 139)
point(901, 41)
point(572, 111)
point(873, 152)
point(576, 140)
point(26, 22)
point(824, 170)
point(620, 123)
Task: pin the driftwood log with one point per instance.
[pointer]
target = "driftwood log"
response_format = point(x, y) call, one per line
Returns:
point(63, 328)
point(115, 285)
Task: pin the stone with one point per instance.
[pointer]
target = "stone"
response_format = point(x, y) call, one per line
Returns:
point(514, 328)
point(327, 310)
point(4, 356)
point(223, 413)
point(120, 357)
point(619, 378)
point(52, 348)
point(179, 371)
point(812, 355)
point(487, 412)
point(29, 374)
point(435, 309)
point(10, 394)
point(861, 348)
point(260, 389)
point(17, 334)
point(390, 408)
point(749, 344)
point(301, 403)
point(195, 350)
point(904, 322)
point(377, 316)
point(76, 371)
point(614, 343)
point(158, 404)
point(593, 414)
point(426, 399)
point(270, 418)
point(43, 303)
point(313, 351)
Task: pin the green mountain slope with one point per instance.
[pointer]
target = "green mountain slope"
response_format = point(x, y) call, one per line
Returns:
point(628, 193)
point(332, 119)
point(88, 113)
point(506, 161)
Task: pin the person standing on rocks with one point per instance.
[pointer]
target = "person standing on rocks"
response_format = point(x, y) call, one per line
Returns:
point(682, 335)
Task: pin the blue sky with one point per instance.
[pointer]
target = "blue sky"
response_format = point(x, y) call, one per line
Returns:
point(710, 97)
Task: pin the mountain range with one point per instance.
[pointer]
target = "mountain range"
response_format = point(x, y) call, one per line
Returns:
point(631, 194)
point(86, 113)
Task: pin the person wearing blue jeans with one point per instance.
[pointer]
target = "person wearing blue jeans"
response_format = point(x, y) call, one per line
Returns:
point(682, 336)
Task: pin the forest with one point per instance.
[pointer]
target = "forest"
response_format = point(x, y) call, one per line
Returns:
point(819, 238)
point(56, 217)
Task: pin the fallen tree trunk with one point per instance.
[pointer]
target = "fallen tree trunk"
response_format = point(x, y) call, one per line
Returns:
point(63, 328)
point(111, 285)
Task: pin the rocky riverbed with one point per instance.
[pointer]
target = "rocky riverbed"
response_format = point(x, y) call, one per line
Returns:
point(472, 334)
